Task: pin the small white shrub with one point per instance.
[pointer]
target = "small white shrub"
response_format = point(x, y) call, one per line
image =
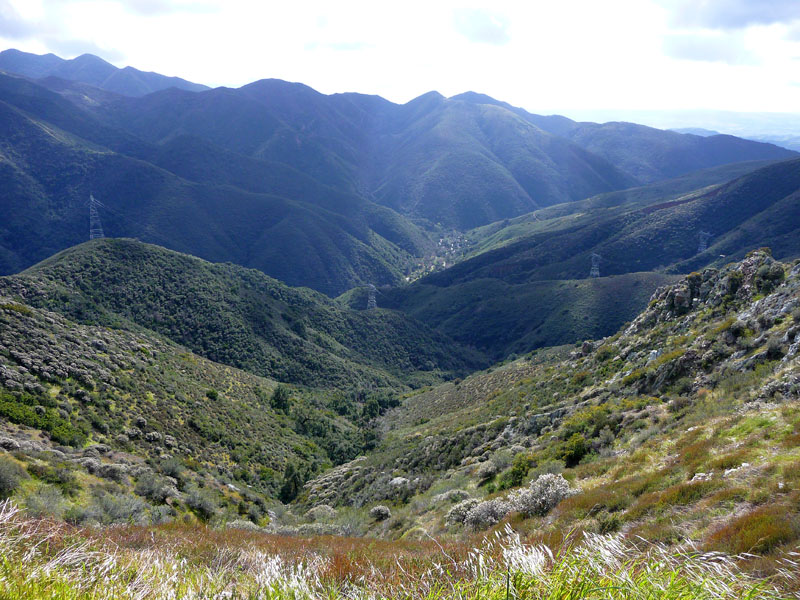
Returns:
point(321, 512)
point(458, 513)
point(542, 495)
point(488, 513)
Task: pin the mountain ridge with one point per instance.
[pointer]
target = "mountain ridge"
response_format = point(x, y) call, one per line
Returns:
point(93, 70)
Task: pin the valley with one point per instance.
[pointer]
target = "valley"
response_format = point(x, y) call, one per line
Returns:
point(329, 340)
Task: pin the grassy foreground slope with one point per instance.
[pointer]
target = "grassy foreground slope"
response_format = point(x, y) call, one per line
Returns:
point(681, 428)
point(185, 562)
point(237, 316)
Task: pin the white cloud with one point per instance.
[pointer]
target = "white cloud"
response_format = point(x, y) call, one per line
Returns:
point(728, 48)
point(544, 56)
point(483, 26)
point(731, 14)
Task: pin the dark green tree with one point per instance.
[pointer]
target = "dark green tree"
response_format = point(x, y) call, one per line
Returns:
point(292, 482)
point(280, 398)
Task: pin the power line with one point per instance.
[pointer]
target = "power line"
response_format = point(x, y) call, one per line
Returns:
point(372, 301)
point(595, 270)
point(703, 238)
point(95, 226)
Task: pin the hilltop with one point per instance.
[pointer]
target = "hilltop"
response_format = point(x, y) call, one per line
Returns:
point(91, 70)
point(237, 316)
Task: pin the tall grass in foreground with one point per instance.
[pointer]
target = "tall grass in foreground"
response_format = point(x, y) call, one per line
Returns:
point(47, 560)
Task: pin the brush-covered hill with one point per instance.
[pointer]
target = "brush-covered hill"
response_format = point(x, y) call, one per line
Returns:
point(91, 70)
point(102, 425)
point(460, 162)
point(527, 285)
point(188, 195)
point(238, 316)
point(444, 161)
point(682, 426)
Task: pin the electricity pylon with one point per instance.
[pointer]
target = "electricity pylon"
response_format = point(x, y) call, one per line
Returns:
point(95, 226)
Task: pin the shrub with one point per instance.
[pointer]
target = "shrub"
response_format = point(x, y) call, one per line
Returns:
point(60, 475)
point(516, 474)
point(119, 508)
point(609, 524)
point(574, 449)
point(686, 493)
point(732, 460)
point(280, 398)
point(542, 495)
point(485, 472)
point(202, 504)
point(678, 404)
point(154, 488)
point(488, 513)
point(45, 501)
point(775, 348)
point(380, 512)
point(11, 475)
point(458, 514)
point(321, 512)
point(591, 502)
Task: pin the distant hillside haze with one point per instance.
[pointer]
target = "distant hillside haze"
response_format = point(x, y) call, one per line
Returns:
point(459, 162)
point(326, 191)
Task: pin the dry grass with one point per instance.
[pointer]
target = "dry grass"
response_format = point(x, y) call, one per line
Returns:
point(49, 560)
point(759, 531)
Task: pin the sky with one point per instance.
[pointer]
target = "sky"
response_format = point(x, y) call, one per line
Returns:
point(546, 56)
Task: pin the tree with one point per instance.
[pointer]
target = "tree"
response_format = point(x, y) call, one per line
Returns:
point(280, 398)
point(292, 482)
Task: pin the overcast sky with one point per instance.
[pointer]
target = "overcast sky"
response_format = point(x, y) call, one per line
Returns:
point(543, 55)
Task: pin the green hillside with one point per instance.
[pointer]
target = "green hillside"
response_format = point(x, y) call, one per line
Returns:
point(113, 425)
point(329, 192)
point(504, 232)
point(238, 316)
point(212, 203)
point(502, 318)
point(460, 162)
point(529, 287)
point(680, 428)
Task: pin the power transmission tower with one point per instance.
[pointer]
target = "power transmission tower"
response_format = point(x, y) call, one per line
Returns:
point(703, 237)
point(95, 226)
point(595, 271)
point(372, 302)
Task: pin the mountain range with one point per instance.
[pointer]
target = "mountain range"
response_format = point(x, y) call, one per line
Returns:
point(329, 192)
point(91, 70)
